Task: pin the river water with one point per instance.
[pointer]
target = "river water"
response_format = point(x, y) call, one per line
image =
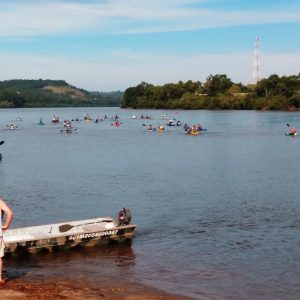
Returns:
point(218, 214)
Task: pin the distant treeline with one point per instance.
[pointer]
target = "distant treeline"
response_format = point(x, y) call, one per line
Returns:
point(218, 92)
point(51, 93)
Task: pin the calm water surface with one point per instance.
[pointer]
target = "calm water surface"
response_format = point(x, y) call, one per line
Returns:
point(218, 214)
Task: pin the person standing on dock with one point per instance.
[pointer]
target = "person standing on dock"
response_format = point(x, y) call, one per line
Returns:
point(4, 209)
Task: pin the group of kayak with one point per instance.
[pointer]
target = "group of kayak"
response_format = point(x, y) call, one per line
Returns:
point(159, 128)
point(68, 127)
point(174, 123)
point(192, 130)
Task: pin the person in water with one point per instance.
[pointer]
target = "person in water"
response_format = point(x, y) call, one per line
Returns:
point(4, 209)
point(293, 130)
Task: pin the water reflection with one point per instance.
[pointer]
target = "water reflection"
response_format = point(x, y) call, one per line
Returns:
point(89, 262)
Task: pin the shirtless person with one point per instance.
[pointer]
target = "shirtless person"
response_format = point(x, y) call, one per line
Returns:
point(4, 209)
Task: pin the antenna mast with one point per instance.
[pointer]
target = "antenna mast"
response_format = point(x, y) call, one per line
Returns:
point(256, 71)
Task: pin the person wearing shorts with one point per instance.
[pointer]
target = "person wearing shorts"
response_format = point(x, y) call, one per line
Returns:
point(4, 210)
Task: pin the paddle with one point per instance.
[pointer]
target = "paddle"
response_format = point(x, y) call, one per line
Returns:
point(67, 227)
point(2, 142)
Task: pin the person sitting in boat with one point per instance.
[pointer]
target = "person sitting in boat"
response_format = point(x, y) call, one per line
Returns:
point(186, 127)
point(55, 120)
point(150, 128)
point(192, 130)
point(178, 123)
point(199, 127)
point(293, 131)
point(171, 123)
point(161, 128)
point(195, 128)
point(67, 123)
point(124, 216)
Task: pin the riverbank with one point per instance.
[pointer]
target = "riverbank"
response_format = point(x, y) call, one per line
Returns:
point(20, 289)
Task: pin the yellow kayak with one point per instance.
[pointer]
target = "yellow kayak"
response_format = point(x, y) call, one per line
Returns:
point(193, 132)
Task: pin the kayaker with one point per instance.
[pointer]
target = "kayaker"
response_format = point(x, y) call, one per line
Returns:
point(199, 127)
point(186, 127)
point(4, 209)
point(293, 131)
point(194, 128)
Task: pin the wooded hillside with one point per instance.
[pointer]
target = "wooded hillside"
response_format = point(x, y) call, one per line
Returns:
point(218, 92)
point(51, 93)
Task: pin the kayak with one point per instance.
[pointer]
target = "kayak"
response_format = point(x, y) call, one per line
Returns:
point(291, 134)
point(193, 132)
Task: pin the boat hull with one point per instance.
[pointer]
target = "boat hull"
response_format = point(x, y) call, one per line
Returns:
point(68, 240)
point(193, 133)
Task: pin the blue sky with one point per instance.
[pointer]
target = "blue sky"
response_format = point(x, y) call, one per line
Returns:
point(108, 45)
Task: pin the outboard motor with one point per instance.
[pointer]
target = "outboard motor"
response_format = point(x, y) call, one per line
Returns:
point(124, 216)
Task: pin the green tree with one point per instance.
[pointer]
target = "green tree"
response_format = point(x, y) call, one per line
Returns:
point(217, 84)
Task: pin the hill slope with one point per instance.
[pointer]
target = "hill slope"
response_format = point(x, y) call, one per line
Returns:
point(51, 93)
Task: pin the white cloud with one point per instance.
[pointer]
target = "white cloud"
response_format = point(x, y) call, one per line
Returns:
point(39, 18)
point(122, 70)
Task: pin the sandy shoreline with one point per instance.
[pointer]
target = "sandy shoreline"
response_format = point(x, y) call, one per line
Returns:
point(20, 289)
point(76, 276)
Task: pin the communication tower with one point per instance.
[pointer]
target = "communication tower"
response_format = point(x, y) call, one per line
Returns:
point(256, 71)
